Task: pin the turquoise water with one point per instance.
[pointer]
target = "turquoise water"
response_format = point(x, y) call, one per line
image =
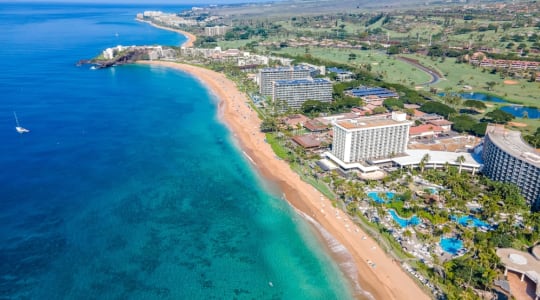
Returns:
point(470, 221)
point(412, 221)
point(377, 198)
point(127, 187)
point(451, 245)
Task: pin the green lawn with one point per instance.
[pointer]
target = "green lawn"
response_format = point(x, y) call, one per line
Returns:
point(392, 70)
point(524, 92)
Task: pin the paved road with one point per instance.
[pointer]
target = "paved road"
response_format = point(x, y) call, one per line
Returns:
point(435, 77)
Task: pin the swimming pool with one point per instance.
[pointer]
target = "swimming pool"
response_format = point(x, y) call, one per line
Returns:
point(375, 196)
point(451, 245)
point(470, 221)
point(412, 221)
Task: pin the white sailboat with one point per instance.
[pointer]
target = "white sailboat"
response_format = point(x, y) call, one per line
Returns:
point(19, 129)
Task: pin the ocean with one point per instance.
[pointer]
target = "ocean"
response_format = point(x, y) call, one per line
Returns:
point(127, 186)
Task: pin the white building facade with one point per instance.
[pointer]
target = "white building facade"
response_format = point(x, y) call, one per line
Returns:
point(369, 138)
point(267, 76)
point(295, 92)
point(215, 30)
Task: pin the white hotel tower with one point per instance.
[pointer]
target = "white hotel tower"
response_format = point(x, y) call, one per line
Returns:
point(363, 139)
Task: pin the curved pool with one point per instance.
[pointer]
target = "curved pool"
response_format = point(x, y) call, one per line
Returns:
point(388, 196)
point(470, 221)
point(412, 221)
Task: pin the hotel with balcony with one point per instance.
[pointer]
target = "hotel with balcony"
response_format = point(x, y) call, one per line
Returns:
point(358, 141)
point(295, 92)
point(508, 158)
point(267, 76)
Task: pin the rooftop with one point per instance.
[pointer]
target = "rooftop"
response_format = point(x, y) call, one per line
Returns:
point(293, 120)
point(315, 125)
point(436, 157)
point(307, 81)
point(521, 262)
point(367, 91)
point(369, 122)
point(285, 69)
point(307, 141)
point(337, 70)
point(511, 142)
point(430, 117)
point(414, 130)
point(440, 122)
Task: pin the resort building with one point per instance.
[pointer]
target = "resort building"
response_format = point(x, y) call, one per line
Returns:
point(267, 76)
point(524, 264)
point(425, 130)
point(342, 75)
point(369, 94)
point(295, 92)
point(215, 30)
point(444, 124)
point(363, 139)
point(508, 158)
point(438, 160)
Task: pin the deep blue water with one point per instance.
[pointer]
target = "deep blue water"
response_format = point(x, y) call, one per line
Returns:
point(517, 111)
point(482, 97)
point(127, 186)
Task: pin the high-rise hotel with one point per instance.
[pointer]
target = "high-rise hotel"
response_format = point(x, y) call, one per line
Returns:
point(363, 139)
point(295, 92)
point(508, 158)
point(267, 76)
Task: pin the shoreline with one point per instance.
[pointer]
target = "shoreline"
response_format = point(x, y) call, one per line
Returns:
point(385, 281)
point(191, 38)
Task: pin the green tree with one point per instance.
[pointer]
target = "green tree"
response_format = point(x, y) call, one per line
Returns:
point(438, 108)
point(490, 85)
point(393, 104)
point(474, 104)
point(460, 160)
point(425, 159)
point(500, 117)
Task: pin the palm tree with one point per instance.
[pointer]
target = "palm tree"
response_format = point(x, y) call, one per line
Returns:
point(423, 162)
point(460, 160)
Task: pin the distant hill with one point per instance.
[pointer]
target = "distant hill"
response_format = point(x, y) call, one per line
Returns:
point(299, 7)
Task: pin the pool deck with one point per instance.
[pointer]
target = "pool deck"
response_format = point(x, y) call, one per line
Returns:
point(529, 266)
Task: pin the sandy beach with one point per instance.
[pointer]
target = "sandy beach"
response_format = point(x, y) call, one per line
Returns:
point(377, 273)
point(191, 38)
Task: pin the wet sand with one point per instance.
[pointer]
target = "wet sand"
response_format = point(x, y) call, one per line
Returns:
point(377, 273)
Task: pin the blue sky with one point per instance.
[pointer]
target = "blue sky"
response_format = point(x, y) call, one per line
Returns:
point(180, 2)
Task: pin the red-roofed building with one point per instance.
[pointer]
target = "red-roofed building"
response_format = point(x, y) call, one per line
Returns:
point(294, 120)
point(424, 130)
point(307, 141)
point(315, 126)
point(418, 114)
point(444, 124)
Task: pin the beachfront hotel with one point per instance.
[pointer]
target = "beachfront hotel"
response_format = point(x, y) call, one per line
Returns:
point(215, 30)
point(508, 158)
point(363, 139)
point(297, 91)
point(267, 76)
